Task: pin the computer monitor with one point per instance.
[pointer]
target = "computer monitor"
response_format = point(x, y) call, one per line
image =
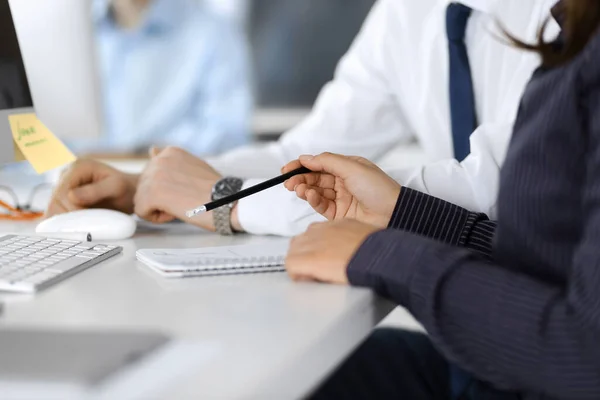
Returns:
point(14, 90)
point(57, 44)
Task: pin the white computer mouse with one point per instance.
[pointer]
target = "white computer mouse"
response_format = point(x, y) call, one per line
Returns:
point(102, 224)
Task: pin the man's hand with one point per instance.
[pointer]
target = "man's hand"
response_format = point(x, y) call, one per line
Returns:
point(173, 182)
point(323, 252)
point(91, 184)
point(345, 187)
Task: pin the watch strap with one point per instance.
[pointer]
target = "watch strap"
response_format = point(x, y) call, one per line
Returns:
point(222, 215)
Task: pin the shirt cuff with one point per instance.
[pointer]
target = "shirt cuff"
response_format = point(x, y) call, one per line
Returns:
point(424, 215)
point(275, 211)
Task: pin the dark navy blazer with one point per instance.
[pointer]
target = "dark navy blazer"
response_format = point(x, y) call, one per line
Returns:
point(514, 302)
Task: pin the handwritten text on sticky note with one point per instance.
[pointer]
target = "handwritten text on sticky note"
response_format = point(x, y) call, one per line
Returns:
point(37, 144)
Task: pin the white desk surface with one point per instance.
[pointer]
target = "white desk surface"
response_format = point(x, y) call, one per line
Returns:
point(279, 339)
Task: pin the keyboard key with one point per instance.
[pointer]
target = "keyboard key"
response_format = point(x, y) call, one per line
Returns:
point(37, 264)
point(28, 263)
point(31, 270)
point(83, 246)
point(70, 242)
point(92, 254)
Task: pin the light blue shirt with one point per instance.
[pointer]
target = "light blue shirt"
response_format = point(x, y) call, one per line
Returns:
point(181, 78)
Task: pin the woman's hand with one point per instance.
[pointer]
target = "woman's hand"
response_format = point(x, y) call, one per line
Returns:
point(323, 252)
point(345, 187)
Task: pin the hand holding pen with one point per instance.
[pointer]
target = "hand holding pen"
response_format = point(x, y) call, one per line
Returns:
point(342, 187)
point(336, 186)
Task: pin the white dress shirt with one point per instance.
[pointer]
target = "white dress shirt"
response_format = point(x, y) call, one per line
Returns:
point(392, 88)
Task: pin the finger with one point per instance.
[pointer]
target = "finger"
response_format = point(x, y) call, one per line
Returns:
point(295, 263)
point(96, 192)
point(328, 194)
point(300, 247)
point(301, 190)
point(80, 173)
point(325, 181)
point(363, 161)
point(300, 277)
point(55, 208)
point(321, 204)
point(334, 164)
point(292, 165)
point(146, 205)
point(293, 182)
point(160, 217)
point(317, 226)
point(142, 206)
point(60, 204)
point(154, 151)
point(298, 268)
point(69, 179)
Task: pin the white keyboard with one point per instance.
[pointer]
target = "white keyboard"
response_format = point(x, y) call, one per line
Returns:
point(31, 263)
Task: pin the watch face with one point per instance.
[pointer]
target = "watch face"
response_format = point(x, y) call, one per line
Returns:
point(223, 186)
point(226, 187)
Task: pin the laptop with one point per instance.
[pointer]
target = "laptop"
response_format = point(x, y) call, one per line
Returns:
point(68, 364)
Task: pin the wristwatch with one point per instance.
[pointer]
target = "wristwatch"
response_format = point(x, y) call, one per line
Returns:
point(222, 216)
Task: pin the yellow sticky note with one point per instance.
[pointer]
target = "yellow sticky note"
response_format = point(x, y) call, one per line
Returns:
point(18, 155)
point(37, 144)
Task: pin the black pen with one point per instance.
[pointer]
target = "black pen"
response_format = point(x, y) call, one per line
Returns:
point(246, 192)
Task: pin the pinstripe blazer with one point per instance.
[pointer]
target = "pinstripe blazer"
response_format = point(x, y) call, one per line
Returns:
point(515, 302)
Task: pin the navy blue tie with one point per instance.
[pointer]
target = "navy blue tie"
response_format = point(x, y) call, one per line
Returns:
point(462, 97)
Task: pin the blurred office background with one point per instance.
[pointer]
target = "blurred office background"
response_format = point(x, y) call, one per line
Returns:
point(297, 44)
point(293, 47)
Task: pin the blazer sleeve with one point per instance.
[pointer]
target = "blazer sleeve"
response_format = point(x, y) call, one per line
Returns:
point(505, 327)
point(428, 216)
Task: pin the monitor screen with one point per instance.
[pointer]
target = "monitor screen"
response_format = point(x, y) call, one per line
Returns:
point(14, 89)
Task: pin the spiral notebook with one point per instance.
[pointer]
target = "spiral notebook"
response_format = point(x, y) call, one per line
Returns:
point(207, 261)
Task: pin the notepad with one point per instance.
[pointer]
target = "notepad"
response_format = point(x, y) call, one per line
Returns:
point(207, 261)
